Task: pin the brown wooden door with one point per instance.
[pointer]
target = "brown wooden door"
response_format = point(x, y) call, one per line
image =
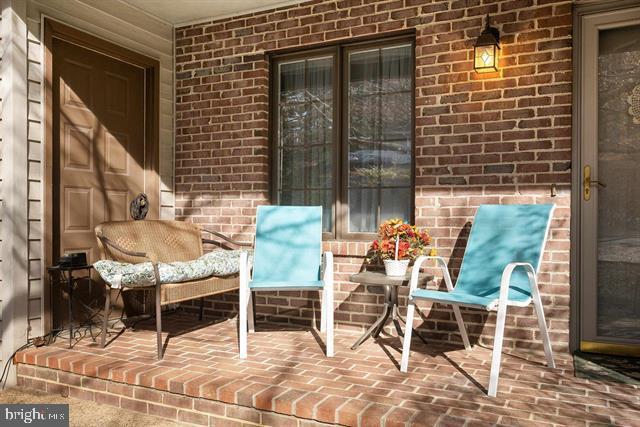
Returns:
point(99, 148)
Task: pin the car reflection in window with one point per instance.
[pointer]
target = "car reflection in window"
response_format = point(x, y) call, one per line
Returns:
point(372, 158)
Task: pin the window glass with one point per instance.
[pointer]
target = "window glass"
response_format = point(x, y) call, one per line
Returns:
point(379, 136)
point(359, 171)
point(305, 139)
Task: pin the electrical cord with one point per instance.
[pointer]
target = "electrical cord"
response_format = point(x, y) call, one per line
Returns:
point(80, 332)
point(5, 371)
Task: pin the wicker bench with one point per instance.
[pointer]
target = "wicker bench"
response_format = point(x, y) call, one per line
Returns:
point(161, 241)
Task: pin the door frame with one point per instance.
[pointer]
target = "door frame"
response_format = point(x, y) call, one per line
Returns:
point(582, 10)
point(53, 29)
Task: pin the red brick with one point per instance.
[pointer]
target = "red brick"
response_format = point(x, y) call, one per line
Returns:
point(133, 405)
point(193, 417)
point(147, 394)
point(284, 403)
point(107, 399)
point(209, 406)
point(162, 411)
point(348, 414)
point(241, 413)
point(264, 400)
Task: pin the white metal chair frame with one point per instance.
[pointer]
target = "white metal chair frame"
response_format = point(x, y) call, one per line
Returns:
point(326, 305)
point(501, 308)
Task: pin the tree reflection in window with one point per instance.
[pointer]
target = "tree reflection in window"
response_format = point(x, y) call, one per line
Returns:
point(305, 134)
point(361, 170)
point(379, 136)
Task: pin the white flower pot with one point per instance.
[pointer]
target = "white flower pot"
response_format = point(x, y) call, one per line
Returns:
point(396, 268)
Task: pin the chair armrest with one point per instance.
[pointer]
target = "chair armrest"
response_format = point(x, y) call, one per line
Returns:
point(327, 274)
point(505, 281)
point(223, 237)
point(442, 264)
point(244, 270)
point(148, 255)
point(513, 265)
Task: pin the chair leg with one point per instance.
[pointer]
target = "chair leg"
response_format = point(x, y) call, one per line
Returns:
point(159, 322)
point(201, 309)
point(542, 324)
point(463, 330)
point(105, 319)
point(251, 316)
point(323, 310)
point(496, 356)
point(328, 314)
point(243, 321)
point(243, 300)
point(406, 344)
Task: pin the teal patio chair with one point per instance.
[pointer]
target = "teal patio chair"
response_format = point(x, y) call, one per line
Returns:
point(287, 257)
point(499, 267)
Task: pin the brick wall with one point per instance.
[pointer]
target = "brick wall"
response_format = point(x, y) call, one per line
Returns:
point(498, 138)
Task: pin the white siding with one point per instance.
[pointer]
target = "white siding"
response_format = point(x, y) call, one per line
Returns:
point(14, 171)
point(1, 193)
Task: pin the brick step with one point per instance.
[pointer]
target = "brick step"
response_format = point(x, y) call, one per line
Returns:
point(164, 404)
point(288, 380)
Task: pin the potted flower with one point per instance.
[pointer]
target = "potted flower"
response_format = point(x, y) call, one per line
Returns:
point(397, 244)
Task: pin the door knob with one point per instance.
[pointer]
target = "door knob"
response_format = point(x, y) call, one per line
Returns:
point(587, 183)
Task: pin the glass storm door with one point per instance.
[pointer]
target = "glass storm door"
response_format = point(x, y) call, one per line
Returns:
point(610, 182)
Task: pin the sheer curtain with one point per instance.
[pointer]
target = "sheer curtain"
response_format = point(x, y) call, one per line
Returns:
point(305, 134)
point(379, 135)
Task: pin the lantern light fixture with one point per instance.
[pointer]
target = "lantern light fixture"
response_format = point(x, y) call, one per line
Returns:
point(485, 51)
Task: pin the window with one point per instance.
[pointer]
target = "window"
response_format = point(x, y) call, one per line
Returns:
point(342, 131)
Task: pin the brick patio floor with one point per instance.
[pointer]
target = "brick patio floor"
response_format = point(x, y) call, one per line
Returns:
point(287, 380)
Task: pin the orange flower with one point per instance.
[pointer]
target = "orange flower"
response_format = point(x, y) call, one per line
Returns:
point(412, 241)
point(424, 236)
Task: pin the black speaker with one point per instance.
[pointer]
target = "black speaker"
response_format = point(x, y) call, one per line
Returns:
point(73, 259)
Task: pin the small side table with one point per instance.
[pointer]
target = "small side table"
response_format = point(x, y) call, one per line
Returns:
point(390, 285)
point(68, 272)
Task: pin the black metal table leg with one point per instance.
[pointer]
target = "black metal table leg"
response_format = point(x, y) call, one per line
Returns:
point(374, 330)
point(398, 318)
point(395, 315)
point(388, 310)
point(60, 274)
point(70, 293)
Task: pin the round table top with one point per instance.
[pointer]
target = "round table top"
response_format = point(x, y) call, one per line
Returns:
point(380, 278)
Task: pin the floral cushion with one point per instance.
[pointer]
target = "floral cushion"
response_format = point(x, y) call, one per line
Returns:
point(216, 263)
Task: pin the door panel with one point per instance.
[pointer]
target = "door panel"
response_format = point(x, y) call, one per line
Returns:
point(78, 147)
point(99, 150)
point(610, 203)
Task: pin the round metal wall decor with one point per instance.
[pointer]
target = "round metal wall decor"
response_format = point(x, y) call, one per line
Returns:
point(139, 207)
point(634, 102)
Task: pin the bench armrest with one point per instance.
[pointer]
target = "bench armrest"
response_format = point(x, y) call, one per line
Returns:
point(148, 255)
point(223, 237)
point(108, 243)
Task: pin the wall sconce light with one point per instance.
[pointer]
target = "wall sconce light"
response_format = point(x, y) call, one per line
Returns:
point(485, 51)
